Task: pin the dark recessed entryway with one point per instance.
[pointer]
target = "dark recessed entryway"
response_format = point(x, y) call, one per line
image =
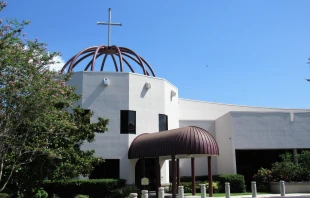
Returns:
point(150, 173)
point(249, 161)
point(110, 168)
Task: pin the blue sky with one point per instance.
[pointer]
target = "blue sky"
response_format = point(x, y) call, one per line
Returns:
point(256, 50)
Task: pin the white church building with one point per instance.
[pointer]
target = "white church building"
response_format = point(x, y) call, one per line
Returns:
point(143, 103)
point(137, 103)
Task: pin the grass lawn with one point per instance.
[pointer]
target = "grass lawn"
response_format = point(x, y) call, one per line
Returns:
point(223, 194)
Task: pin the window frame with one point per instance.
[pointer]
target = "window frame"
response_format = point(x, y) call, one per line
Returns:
point(167, 124)
point(122, 131)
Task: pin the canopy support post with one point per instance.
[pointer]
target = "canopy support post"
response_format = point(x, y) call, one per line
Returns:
point(193, 176)
point(178, 172)
point(210, 176)
point(157, 170)
point(173, 177)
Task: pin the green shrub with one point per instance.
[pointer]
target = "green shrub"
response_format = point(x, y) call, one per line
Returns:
point(93, 187)
point(124, 192)
point(198, 178)
point(4, 195)
point(188, 186)
point(262, 178)
point(81, 196)
point(288, 171)
point(237, 184)
point(304, 164)
point(41, 194)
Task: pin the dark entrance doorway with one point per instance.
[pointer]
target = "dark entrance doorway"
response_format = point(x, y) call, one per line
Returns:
point(107, 169)
point(249, 161)
point(150, 173)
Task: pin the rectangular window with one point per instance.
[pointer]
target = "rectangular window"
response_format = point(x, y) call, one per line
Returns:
point(163, 122)
point(128, 122)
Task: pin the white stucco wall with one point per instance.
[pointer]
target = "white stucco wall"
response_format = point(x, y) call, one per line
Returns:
point(200, 110)
point(198, 113)
point(148, 104)
point(106, 102)
point(233, 126)
point(126, 91)
point(226, 161)
point(250, 130)
point(77, 82)
point(272, 130)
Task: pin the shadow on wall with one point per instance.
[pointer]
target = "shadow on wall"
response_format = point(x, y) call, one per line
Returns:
point(94, 95)
point(144, 90)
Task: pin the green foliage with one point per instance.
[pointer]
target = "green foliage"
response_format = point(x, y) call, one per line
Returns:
point(262, 178)
point(188, 186)
point(93, 187)
point(4, 195)
point(124, 192)
point(285, 170)
point(304, 165)
point(39, 136)
point(81, 196)
point(41, 194)
point(237, 184)
point(199, 178)
point(288, 171)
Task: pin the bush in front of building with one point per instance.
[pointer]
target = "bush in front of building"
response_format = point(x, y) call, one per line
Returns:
point(124, 192)
point(237, 183)
point(94, 188)
point(262, 178)
point(289, 171)
point(81, 196)
point(286, 170)
point(188, 186)
point(199, 178)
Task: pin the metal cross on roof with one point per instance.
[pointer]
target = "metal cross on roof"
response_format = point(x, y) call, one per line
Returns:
point(109, 23)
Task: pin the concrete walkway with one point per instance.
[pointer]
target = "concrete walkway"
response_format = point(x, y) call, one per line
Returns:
point(294, 195)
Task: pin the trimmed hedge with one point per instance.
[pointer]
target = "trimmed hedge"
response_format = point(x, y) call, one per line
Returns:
point(237, 184)
point(95, 188)
point(124, 192)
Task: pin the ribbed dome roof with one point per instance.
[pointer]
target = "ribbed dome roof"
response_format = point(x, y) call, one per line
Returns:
point(181, 141)
point(119, 55)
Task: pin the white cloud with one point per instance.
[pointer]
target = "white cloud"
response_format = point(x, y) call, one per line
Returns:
point(59, 63)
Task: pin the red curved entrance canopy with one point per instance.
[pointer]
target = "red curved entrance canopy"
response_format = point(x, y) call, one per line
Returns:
point(182, 141)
